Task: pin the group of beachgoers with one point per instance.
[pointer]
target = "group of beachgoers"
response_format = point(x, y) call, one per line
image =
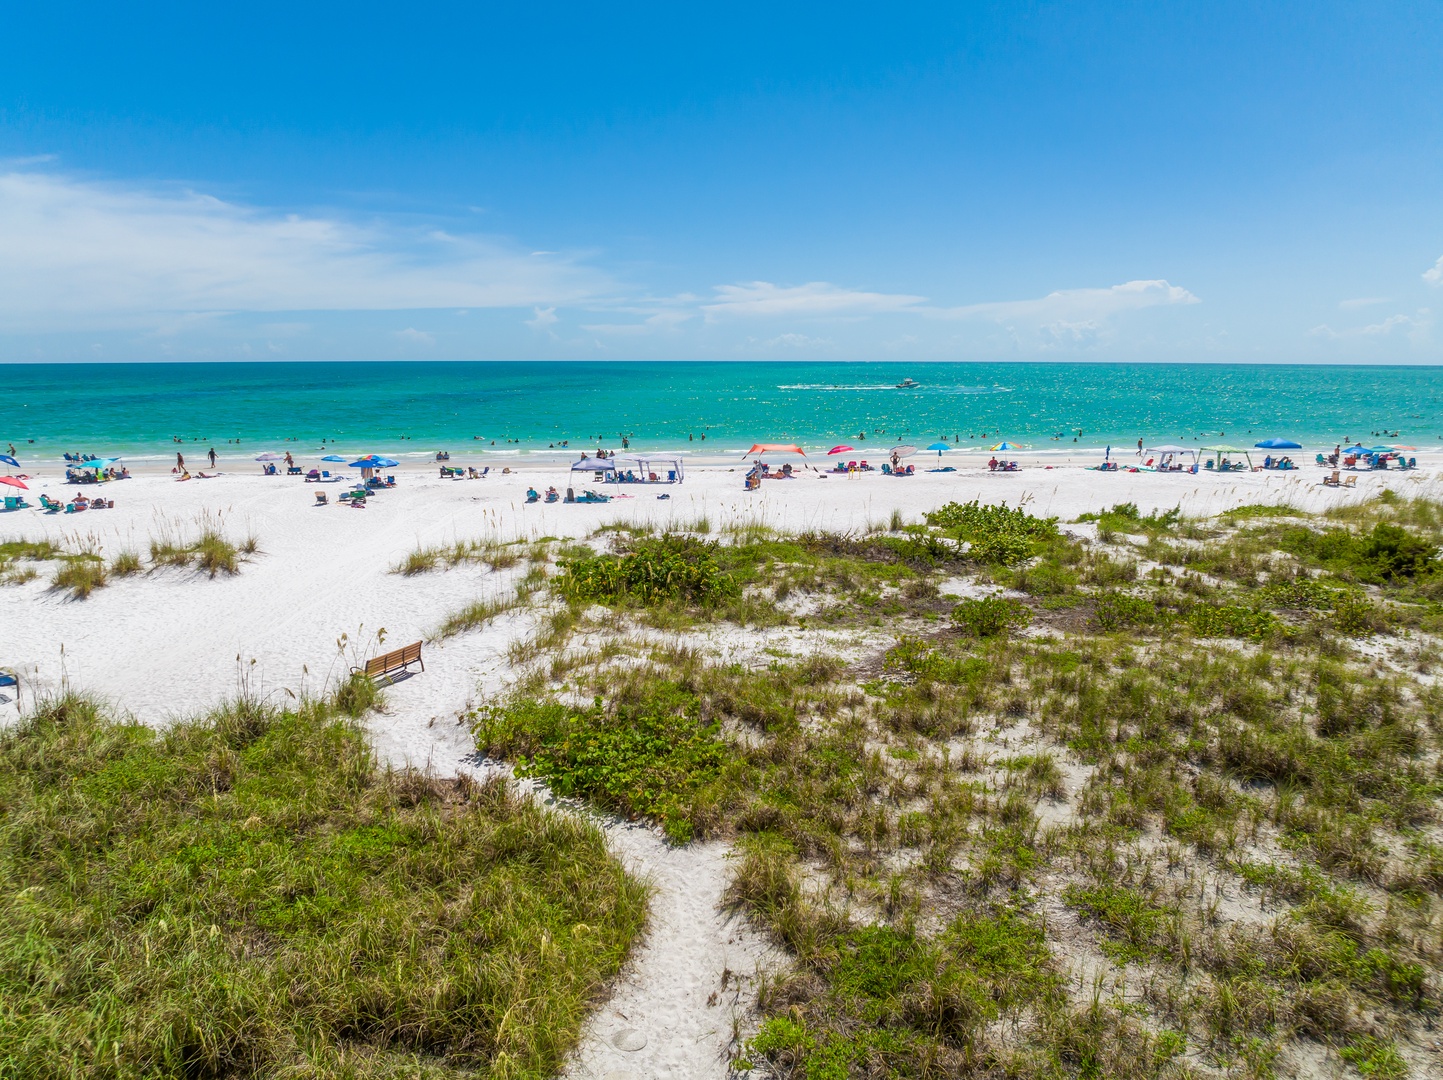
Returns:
point(96, 475)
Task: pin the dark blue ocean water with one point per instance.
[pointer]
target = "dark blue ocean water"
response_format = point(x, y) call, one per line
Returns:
point(414, 408)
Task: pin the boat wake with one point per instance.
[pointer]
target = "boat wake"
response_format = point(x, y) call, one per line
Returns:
point(854, 388)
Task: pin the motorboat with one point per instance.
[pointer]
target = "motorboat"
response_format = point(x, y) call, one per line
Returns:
point(908, 384)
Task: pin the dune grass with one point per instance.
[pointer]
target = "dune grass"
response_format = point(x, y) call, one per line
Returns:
point(81, 575)
point(1195, 760)
point(247, 894)
point(210, 549)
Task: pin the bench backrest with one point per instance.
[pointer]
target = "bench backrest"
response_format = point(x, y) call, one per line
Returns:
point(396, 658)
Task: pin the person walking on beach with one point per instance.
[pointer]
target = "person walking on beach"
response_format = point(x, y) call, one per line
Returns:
point(179, 462)
point(1139, 448)
point(211, 455)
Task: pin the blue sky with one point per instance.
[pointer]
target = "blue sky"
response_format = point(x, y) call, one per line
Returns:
point(1118, 181)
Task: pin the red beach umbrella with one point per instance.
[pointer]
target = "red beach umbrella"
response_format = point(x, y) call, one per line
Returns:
point(13, 481)
point(839, 450)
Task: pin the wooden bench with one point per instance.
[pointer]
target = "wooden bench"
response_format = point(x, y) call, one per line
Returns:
point(393, 662)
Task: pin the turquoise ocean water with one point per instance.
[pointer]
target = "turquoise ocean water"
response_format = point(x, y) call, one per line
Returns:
point(412, 409)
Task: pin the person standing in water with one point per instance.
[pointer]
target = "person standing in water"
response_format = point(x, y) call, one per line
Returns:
point(211, 455)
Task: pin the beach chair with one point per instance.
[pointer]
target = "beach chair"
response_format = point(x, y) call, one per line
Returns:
point(1352, 481)
point(50, 504)
point(10, 677)
point(886, 469)
point(321, 499)
point(1322, 460)
point(293, 470)
point(533, 496)
point(1331, 481)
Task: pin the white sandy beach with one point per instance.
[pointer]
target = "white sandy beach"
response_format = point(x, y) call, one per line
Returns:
point(170, 642)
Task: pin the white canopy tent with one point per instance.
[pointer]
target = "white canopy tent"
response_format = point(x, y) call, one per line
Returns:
point(667, 465)
point(589, 464)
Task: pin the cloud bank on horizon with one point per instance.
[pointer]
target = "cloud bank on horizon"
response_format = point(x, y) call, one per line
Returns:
point(172, 271)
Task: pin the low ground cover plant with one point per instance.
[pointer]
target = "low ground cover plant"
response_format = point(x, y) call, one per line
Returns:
point(248, 895)
point(650, 571)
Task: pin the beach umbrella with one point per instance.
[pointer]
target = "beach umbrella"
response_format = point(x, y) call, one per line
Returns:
point(8, 460)
point(1399, 448)
point(839, 450)
point(1005, 445)
point(333, 457)
point(383, 462)
point(903, 451)
point(1380, 449)
point(775, 448)
point(1356, 450)
point(939, 447)
point(14, 481)
point(100, 463)
point(271, 457)
point(1278, 444)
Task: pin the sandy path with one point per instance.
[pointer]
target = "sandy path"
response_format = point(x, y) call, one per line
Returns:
point(672, 1003)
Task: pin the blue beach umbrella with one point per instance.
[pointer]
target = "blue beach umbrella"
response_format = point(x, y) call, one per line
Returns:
point(1356, 450)
point(333, 457)
point(939, 447)
point(1278, 444)
point(8, 460)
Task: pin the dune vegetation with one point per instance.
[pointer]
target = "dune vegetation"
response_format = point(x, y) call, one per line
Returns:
point(1135, 796)
point(247, 894)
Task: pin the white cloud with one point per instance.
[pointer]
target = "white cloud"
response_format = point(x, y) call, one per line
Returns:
point(661, 320)
point(544, 320)
point(816, 298)
point(75, 251)
point(412, 336)
point(1434, 274)
point(1415, 327)
point(1075, 307)
point(1362, 302)
point(789, 341)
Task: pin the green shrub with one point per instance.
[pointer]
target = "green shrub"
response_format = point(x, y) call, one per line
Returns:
point(990, 616)
point(996, 534)
point(653, 758)
point(1387, 554)
point(1117, 611)
point(1125, 517)
point(1232, 620)
point(669, 568)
